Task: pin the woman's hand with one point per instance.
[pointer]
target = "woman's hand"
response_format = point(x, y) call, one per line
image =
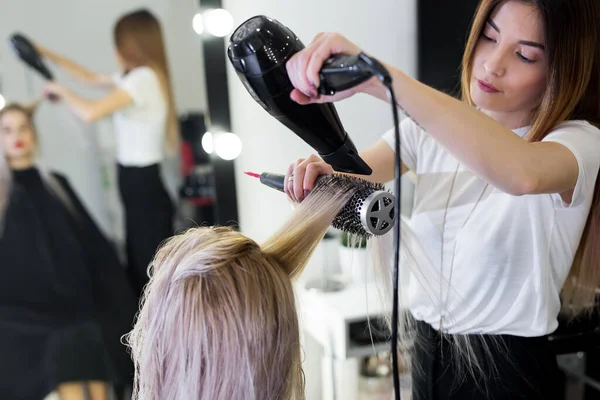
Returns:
point(54, 91)
point(303, 68)
point(301, 176)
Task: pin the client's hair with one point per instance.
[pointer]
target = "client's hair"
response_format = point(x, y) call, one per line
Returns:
point(218, 319)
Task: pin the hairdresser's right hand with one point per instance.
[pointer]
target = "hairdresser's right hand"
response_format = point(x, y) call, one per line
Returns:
point(304, 66)
point(301, 176)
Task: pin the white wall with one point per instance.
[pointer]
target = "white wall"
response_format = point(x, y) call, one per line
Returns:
point(82, 30)
point(387, 30)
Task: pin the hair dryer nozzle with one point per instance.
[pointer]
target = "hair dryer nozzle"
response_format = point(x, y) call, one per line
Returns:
point(259, 50)
point(27, 52)
point(346, 159)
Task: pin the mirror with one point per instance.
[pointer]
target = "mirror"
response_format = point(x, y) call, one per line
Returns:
point(186, 183)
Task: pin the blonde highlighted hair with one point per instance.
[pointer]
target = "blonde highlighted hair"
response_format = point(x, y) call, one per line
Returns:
point(218, 318)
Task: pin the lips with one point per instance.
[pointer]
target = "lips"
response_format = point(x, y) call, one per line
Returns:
point(487, 87)
point(19, 144)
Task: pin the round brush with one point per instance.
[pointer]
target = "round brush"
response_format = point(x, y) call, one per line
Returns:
point(370, 210)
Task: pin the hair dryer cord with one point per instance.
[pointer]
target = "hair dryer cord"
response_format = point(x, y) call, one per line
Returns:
point(381, 72)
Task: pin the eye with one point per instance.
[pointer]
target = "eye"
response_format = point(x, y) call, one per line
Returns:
point(524, 59)
point(487, 38)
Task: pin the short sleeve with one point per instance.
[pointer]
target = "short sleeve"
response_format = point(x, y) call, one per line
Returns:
point(141, 84)
point(410, 137)
point(583, 140)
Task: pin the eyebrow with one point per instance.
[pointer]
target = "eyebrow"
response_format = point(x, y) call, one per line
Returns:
point(523, 42)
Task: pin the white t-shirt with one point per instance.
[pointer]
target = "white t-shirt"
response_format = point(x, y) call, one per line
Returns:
point(511, 257)
point(140, 128)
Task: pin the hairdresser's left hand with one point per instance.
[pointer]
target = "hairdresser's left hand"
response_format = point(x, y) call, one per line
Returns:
point(54, 91)
point(301, 176)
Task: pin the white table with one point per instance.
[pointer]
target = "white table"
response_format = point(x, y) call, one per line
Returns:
point(326, 317)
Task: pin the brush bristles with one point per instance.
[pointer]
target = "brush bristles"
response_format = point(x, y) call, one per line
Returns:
point(348, 220)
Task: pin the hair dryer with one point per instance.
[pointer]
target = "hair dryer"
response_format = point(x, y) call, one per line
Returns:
point(27, 52)
point(259, 49)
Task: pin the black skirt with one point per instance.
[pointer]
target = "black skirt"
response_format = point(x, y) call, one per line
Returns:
point(512, 367)
point(149, 215)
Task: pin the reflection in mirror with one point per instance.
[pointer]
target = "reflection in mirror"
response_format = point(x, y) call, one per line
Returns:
point(127, 76)
point(65, 297)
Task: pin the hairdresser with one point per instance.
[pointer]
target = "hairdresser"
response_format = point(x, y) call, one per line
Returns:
point(145, 122)
point(507, 202)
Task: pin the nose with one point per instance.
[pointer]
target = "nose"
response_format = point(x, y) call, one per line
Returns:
point(495, 63)
point(19, 136)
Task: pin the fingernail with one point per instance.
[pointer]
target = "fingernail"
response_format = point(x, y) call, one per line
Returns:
point(306, 192)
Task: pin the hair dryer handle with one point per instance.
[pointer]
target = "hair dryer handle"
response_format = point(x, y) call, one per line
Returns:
point(342, 72)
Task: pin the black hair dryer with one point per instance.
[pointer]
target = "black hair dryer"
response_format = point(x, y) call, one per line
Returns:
point(259, 49)
point(29, 55)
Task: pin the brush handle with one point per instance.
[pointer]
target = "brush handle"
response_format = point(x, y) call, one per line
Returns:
point(275, 181)
point(365, 213)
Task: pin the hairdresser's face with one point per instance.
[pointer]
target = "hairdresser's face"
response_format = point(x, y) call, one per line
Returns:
point(18, 138)
point(509, 66)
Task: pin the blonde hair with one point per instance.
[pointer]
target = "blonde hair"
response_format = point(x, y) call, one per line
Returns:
point(218, 318)
point(139, 40)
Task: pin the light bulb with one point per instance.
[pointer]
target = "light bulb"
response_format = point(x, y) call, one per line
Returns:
point(228, 145)
point(218, 22)
point(207, 142)
point(198, 24)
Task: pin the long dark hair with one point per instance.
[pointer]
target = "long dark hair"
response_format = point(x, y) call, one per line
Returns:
point(139, 40)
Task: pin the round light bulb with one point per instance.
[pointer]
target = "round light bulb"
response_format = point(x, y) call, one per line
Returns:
point(218, 22)
point(198, 24)
point(228, 145)
point(2, 102)
point(207, 142)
